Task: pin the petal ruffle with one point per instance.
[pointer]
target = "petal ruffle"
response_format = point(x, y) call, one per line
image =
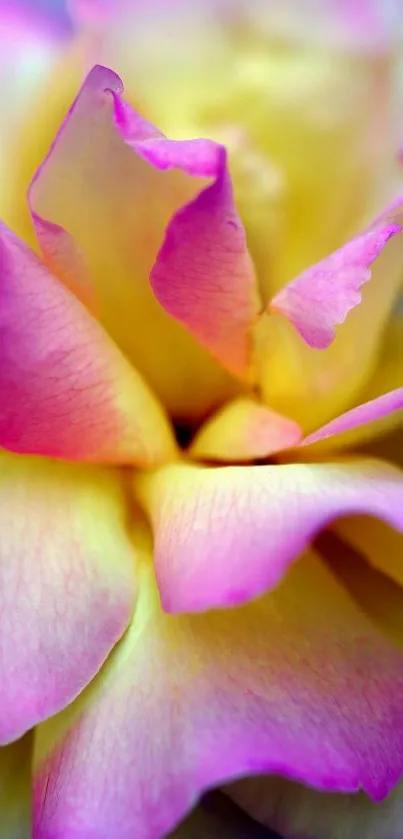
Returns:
point(125, 183)
point(65, 389)
point(67, 583)
point(15, 789)
point(225, 535)
point(244, 430)
point(299, 682)
point(297, 811)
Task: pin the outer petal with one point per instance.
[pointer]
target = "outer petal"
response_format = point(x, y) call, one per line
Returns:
point(15, 790)
point(65, 389)
point(244, 430)
point(225, 535)
point(296, 811)
point(119, 162)
point(311, 386)
point(66, 580)
point(298, 682)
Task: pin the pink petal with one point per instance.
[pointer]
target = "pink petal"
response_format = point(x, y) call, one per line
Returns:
point(225, 535)
point(323, 295)
point(65, 389)
point(369, 412)
point(110, 190)
point(244, 430)
point(203, 275)
point(298, 683)
point(66, 579)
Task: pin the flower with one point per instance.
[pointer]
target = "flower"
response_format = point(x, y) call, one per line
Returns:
point(182, 609)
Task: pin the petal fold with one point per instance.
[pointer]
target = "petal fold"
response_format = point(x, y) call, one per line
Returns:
point(67, 580)
point(117, 188)
point(66, 391)
point(299, 682)
point(225, 535)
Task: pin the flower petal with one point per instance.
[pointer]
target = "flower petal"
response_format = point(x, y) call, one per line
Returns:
point(204, 276)
point(66, 580)
point(368, 413)
point(298, 682)
point(297, 811)
point(65, 389)
point(244, 430)
point(15, 789)
point(310, 386)
point(225, 535)
point(321, 298)
point(125, 183)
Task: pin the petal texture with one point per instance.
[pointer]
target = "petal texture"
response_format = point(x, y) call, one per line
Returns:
point(298, 682)
point(225, 535)
point(126, 186)
point(244, 430)
point(66, 580)
point(65, 389)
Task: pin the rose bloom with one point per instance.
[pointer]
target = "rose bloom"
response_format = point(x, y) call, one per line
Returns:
point(200, 425)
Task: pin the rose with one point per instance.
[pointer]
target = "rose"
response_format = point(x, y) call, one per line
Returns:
point(142, 248)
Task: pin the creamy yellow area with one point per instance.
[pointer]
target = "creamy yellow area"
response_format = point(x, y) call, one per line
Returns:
point(312, 133)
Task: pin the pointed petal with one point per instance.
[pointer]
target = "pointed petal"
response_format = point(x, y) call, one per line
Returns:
point(320, 299)
point(298, 682)
point(314, 386)
point(244, 430)
point(243, 526)
point(66, 580)
point(65, 389)
point(128, 186)
point(365, 414)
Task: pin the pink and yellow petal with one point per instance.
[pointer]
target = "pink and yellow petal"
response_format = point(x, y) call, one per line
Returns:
point(67, 571)
point(299, 682)
point(244, 430)
point(312, 385)
point(126, 186)
point(364, 419)
point(66, 391)
point(244, 526)
point(15, 789)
